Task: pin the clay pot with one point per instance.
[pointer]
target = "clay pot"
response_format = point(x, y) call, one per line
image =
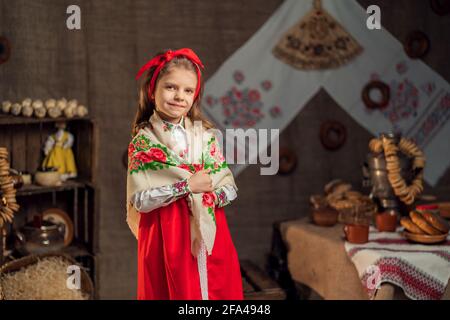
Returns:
point(48, 178)
point(325, 217)
point(386, 221)
point(356, 233)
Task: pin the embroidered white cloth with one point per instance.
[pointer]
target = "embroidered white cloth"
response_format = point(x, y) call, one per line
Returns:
point(254, 89)
point(422, 271)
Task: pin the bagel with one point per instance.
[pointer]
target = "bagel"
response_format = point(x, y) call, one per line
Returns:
point(330, 186)
point(410, 226)
point(408, 199)
point(376, 145)
point(420, 221)
point(333, 135)
point(417, 44)
point(342, 188)
point(436, 221)
point(383, 88)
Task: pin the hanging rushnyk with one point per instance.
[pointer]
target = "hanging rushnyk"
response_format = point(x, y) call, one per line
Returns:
point(255, 88)
point(317, 41)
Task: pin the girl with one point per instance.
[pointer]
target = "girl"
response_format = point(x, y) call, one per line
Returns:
point(177, 185)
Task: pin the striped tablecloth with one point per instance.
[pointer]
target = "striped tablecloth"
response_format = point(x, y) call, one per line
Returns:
point(422, 271)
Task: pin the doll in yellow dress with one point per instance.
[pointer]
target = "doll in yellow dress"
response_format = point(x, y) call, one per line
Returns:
point(58, 152)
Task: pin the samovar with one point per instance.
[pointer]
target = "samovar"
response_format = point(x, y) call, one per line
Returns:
point(376, 176)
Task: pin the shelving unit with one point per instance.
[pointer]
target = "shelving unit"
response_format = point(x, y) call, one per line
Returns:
point(24, 138)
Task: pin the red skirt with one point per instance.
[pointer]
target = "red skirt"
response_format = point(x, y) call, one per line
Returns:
point(166, 268)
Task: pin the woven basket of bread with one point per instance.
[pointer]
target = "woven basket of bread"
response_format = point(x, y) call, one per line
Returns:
point(353, 206)
point(43, 277)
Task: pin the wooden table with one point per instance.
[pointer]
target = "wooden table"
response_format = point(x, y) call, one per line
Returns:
point(317, 258)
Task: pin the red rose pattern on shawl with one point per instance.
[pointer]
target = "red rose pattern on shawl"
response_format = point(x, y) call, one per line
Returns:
point(208, 200)
point(143, 155)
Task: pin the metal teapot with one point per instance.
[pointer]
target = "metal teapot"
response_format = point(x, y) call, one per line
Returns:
point(37, 239)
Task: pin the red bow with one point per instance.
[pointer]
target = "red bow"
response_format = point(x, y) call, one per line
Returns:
point(160, 61)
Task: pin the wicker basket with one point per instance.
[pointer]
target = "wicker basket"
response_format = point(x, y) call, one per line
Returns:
point(361, 214)
point(87, 287)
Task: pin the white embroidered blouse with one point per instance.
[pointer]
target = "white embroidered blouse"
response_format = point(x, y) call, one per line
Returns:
point(151, 199)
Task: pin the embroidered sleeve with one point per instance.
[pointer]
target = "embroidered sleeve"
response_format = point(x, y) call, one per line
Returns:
point(224, 195)
point(151, 199)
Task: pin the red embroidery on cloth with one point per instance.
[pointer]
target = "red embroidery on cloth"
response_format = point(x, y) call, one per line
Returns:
point(441, 253)
point(275, 111)
point(415, 283)
point(404, 101)
point(433, 122)
point(241, 107)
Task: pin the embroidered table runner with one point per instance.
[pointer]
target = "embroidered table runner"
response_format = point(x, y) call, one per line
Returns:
point(421, 270)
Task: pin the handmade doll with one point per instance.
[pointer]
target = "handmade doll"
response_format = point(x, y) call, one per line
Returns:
point(58, 152)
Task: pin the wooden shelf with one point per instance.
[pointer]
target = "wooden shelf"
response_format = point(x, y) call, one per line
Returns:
point(76, 250)
point(33, 189)
point(6, 119)
point(24, 137)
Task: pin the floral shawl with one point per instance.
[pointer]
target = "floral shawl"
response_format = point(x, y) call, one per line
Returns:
point(154, 161)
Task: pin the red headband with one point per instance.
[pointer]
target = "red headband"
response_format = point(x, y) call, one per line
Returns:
point(161, 60)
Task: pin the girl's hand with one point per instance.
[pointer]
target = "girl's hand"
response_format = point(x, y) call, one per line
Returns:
point(200, 182)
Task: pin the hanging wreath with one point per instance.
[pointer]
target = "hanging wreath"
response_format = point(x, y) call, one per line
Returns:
point(8, 204)
point(417, 44)
point(383, 88)
point(440, 7)
point(333, 135)
point(288, 161)
point(5, 50)
point(406, 193)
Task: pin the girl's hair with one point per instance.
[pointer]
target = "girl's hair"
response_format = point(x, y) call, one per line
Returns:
point(146, 106)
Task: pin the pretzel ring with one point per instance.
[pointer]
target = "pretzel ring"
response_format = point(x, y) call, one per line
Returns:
point(385, 95)
point(441, 8)
point(417, 44)
point(333, 135)
point(288, 161)
point(5, 50)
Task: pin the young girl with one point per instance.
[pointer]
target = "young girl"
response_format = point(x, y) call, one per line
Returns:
point(177, 185)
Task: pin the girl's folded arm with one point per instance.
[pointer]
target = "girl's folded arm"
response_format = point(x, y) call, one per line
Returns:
point(154, 198)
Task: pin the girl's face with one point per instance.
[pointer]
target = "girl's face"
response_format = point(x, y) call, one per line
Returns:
point(174, 93)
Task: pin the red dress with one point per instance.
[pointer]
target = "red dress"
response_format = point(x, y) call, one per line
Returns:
point(166, 268)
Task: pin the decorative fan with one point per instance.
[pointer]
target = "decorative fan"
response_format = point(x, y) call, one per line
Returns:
point(318, 41)
point(8, 203)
